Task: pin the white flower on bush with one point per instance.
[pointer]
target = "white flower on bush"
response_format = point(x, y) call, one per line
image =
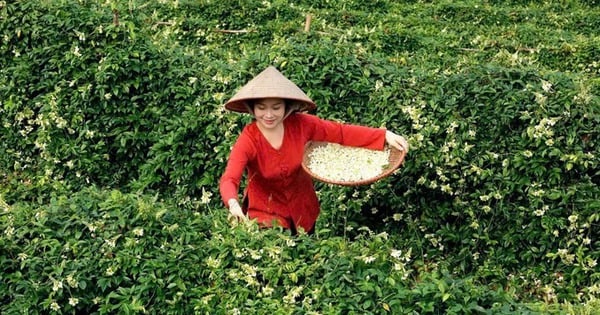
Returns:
point(412, 112)
point(220, 78)
point(76, 51)
point(293, 294)
point(110, 271)
point(383, 235)
point(256, 255)
point(368, 259)
point(290, 243)
point(249, 270)
point(239, 253)
point(540, 98)
point(56, 285)
point(348, 164)
point(587, 241)
point(447, 189)
point(251, 281)
point(138, 231)
point(111, 242)
point(546, 86)
point(213, 263)
point(71, 281)
point(206, 195)
point(474, 224)
point(267, 290)
point(395, 253)
point(274, 253)
point(22, 256)
point(451, 128)
point(73, 301)
point(54, 306)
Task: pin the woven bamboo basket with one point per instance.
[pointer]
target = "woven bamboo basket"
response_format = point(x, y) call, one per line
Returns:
point(395, 160)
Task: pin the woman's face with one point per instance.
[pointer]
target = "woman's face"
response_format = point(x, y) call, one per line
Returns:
point(269, 112)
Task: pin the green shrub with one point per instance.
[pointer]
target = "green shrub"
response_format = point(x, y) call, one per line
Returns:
point(104, 251)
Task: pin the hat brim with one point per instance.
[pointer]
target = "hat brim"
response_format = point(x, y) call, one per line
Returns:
point(241, 105)
point(270, 83)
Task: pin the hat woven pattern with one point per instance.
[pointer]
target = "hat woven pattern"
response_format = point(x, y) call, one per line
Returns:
point(270, 83)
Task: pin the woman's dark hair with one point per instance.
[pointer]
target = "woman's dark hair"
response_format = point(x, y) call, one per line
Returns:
point(251, 102)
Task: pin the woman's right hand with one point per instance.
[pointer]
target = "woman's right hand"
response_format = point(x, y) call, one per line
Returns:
point(235, 210)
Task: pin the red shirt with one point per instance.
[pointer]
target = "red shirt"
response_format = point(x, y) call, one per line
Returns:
point(277, 183)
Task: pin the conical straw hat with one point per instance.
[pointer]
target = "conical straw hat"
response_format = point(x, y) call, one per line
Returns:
point(270, 84)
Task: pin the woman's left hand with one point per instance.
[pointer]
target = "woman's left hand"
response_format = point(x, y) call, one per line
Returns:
point(396, 141)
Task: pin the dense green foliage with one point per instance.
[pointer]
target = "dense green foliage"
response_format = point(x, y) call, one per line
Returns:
point(113, 138)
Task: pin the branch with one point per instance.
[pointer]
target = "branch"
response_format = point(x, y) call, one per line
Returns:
point(233, 31)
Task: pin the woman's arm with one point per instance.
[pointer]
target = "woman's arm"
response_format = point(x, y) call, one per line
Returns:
point(241, 152)
point(348, 134)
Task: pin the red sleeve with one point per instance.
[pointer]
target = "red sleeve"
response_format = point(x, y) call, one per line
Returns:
point(345, 134)
point(242, 151)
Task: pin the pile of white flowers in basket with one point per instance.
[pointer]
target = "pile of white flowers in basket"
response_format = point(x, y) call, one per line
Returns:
point(347, 164)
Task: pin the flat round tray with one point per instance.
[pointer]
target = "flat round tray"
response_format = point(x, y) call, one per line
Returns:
point(395, 159)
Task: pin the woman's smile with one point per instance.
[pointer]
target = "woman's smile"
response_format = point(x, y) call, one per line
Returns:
point(269, 112)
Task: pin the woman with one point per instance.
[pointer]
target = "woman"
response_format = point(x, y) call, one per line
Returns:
point(270, 149)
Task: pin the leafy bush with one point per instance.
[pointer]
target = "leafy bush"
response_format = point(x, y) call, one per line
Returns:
point(103, 251)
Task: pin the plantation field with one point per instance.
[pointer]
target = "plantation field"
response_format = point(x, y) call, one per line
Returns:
point(113, 137)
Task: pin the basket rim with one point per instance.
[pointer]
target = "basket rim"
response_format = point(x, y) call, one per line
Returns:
point(396, 159)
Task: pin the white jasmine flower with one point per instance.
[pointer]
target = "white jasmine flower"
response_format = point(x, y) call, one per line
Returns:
point(267, 290)
point(396, 253)
point(110, 271)
point(205, 199)
point(573, 218)
point(72, 282)
point(73, 301)
point(55, 307)
point(76, 51)
point(111, 243)
point(56, 285)
point(138, 231)
point(368, 259)
point(22, 256)
point(546, 86)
